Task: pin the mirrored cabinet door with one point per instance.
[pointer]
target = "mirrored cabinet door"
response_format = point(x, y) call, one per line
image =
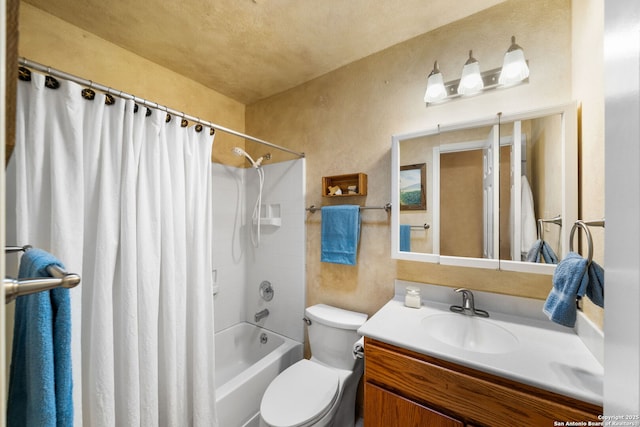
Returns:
point(457, 223)
point(541, 195)
point(469, 196)
point(415, 231)
point(418, 194)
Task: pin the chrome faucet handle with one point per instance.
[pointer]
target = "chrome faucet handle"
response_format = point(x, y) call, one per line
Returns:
point(481, 313)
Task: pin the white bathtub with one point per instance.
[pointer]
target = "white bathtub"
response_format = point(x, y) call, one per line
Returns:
point(245, 366)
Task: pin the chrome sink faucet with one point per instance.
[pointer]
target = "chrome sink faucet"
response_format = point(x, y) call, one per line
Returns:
point(468, 308)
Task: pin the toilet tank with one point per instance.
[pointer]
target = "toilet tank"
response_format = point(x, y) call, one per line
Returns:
point(332, 333)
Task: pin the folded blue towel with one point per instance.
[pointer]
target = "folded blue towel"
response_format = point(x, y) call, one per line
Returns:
point(541, 250)
point(595, 287)
point(340, 234)
point(405, 238)
point(40, 384)
point(569, 282)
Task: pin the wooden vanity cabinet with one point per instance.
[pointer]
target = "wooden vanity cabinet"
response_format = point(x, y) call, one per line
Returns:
point(408, 389)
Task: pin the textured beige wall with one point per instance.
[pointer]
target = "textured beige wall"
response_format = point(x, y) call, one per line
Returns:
point(58, 44)
point(344, 120)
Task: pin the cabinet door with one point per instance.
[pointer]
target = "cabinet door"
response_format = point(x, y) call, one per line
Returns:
point(383, 408)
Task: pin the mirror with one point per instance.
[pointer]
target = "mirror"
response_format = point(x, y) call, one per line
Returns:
point(538, 197)
point(468, 194)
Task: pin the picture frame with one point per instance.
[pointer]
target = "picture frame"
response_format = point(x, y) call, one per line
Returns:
point(413, 184)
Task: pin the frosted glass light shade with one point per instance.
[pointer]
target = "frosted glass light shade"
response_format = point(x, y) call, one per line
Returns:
point(435, 88)
point(471, 80)
point(514, 67)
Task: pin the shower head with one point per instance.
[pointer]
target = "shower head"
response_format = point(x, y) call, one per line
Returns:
point(240, 152)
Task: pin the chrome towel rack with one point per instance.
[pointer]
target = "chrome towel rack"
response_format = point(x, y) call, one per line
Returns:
point(387, 207)
point(424, 226)
point(421, 227)
point(557, 220)
point(584, 225)
point(14, 288)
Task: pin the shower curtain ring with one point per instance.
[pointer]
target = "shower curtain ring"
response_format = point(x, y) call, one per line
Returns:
point(109, 98)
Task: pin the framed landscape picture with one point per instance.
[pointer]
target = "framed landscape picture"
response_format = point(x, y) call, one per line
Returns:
point(413, 182)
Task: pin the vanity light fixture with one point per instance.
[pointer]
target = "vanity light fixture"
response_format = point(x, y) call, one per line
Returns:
point(514, 68)
point(514, 71)
point(471, 81)
point(435, 86)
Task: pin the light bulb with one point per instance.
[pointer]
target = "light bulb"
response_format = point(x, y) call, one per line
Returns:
point(435, 86)
point(471, 80)
point(514, 67)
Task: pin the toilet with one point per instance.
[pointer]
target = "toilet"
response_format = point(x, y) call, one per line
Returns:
point(321, 391)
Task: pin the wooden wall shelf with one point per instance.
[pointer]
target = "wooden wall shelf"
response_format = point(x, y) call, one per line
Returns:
point(359, 180)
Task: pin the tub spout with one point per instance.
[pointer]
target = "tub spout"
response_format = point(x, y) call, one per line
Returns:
point(261, 315)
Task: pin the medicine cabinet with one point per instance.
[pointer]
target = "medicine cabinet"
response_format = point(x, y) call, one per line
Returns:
point(487, 184)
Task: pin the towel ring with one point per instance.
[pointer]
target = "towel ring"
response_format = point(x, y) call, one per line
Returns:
point(585, 228)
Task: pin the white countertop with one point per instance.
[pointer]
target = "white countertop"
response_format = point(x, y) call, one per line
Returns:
point(548, 356)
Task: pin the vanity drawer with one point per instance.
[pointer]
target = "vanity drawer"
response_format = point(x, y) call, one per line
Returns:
point(468, 394)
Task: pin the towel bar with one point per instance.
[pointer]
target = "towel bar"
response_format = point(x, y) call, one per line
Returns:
point(387, 207)
point(14, 288)
point(555, 220)
point(421, 227)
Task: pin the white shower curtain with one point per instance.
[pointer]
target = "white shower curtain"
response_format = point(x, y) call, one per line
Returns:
point(123, 199)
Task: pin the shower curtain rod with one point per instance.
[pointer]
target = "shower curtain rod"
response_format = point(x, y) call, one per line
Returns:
point(93, 85)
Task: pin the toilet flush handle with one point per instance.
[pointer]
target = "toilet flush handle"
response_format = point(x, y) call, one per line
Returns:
point(307, 321)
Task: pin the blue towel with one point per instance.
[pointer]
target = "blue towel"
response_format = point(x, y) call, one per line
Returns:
point(405, 238)
point(569, 283)
point(534, 253)
point(548, 255)
point(40, 385)
point(340, 234)
point(595, 287)
point(541, 250)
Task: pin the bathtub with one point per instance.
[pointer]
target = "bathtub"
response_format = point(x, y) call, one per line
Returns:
point(248, 358)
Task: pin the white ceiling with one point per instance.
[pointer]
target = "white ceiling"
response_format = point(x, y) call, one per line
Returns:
point(251, 49)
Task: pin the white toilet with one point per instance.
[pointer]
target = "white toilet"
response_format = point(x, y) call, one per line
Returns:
point(321, 391)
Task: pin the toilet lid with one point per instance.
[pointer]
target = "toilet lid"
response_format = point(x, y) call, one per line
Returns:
point(303, 392)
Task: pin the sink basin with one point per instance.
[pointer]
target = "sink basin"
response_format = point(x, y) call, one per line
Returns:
point(470, 333)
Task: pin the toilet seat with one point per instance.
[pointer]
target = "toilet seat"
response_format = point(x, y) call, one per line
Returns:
point(300, 395)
